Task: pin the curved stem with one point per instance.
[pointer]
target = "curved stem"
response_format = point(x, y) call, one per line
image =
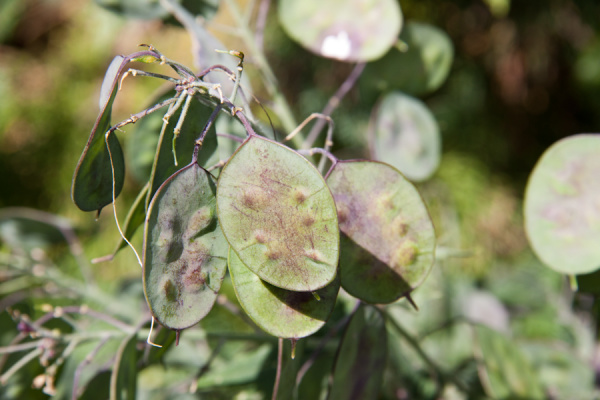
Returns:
point(334, 102)
point(271, 84)
point(279, 364)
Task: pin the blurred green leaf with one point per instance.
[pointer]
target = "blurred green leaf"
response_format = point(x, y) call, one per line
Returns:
point(123, 380)
point(361, 358)
point(506, 372)
point(418, 66)
point(242, 369)
point(152, 9)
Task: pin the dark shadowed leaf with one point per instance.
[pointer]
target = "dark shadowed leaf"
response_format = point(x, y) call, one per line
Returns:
point(347, 30)
point(279, 216)
point(27, 229)
point(163, 164)
point(562, 217)
point(388, 241)
point(152, 9)
point(123, 380)
point(279, 312)
point(405, 135)
point(93, 180)
point(185, 253)
point(421, 69)
point(361, 358)
point(506, 372)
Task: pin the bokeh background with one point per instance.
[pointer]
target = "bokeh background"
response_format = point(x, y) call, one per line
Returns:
point(525, 74)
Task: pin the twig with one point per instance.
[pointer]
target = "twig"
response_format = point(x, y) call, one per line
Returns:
point(279, 364)
point(21, 363)
point(261, 20)
point(334, 102)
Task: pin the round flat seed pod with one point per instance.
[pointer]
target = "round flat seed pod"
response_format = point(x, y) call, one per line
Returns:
point(406, 136)
point(562, 205)
point(279, 312)
point(185, 252)
point(388, 240)
point(420, 69)
point(347, 30)
point(279, 216)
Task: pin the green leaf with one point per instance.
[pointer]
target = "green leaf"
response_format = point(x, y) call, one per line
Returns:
point(361, 360)
point(405, 135)
point(562, 217)
point(347, 30)
point(421, 67)
point(152, 9)
point(244, 368)
point(65, 385)
point(93, 180)
point(164, 164)
point(279, 312)
point(279, 216)
point(123, 380)
point(185, 253)
point(388, 241)
point(28, 229)
point(506, 372)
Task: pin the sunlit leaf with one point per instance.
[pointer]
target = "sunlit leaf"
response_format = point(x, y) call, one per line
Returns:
point(185, 253)
point(346, 30)
point(279, 216)
point(562, 217)
point(406, 136)
point(279, 312)
point(388, 240)
point(506, 372)
point(421, 66)
point(93, 180)
point(361, 359)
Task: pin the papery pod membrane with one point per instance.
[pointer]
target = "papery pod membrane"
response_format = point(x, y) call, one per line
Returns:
point(388, 240)
point(347, 30)
point(362, 356)
point(404, 134)
point(506, 373)
point(279, 216)
point(93, 179)
point(421, 68)
point(279, 312)
point(185, 253)
point(562, 212)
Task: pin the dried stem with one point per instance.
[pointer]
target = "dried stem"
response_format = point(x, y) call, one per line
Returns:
point(334, 102)
point(279, 366)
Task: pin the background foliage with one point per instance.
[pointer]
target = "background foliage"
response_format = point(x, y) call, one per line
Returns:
point(525, 74)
